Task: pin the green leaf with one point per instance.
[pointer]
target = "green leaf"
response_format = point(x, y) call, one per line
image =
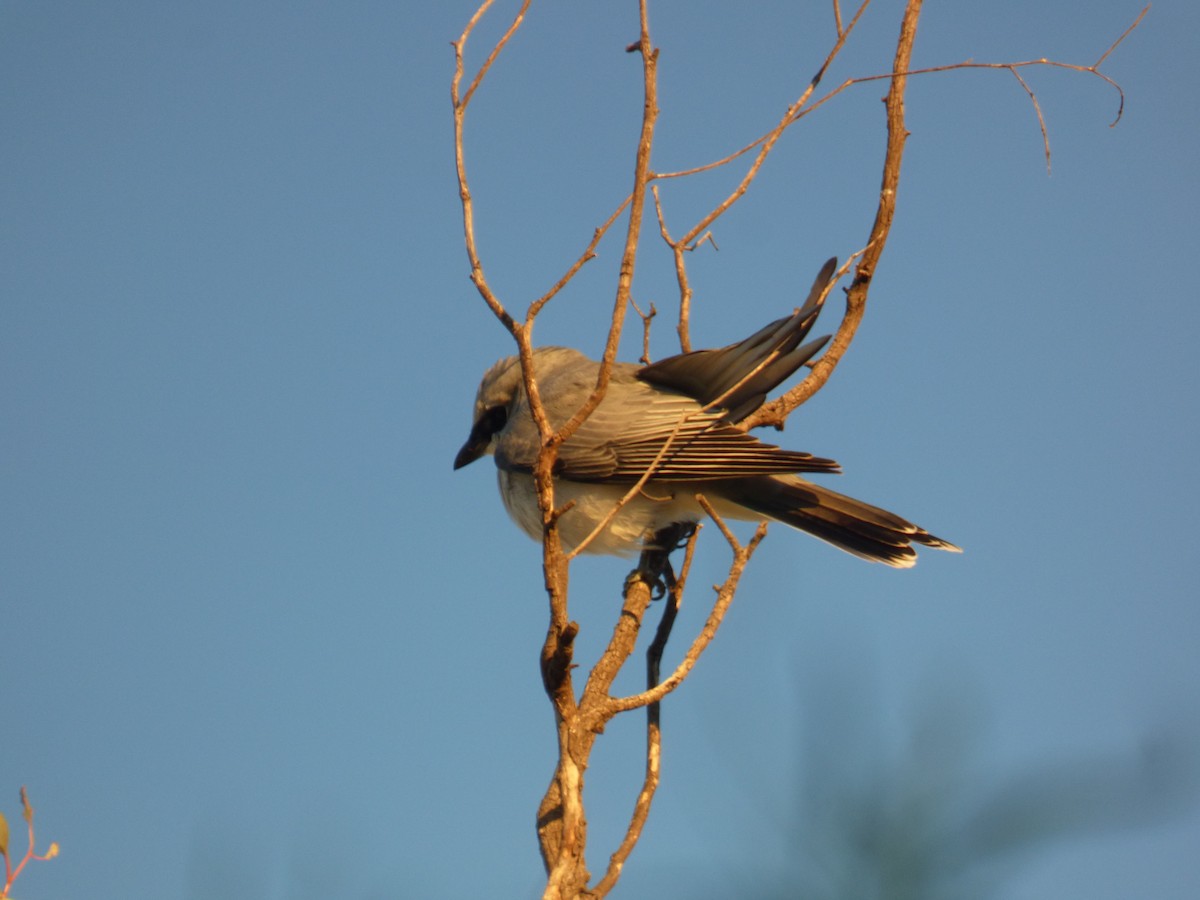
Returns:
point(3, 836)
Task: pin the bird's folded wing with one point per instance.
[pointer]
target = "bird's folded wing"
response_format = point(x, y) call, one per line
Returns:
point(740, 376)
point(639, 428)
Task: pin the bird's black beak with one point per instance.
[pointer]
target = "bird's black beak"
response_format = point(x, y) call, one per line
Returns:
point(480, 440)
point(471, 451)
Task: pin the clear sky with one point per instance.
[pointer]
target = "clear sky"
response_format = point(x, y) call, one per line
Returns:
point(257, 640)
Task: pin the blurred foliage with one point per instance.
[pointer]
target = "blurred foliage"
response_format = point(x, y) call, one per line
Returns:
point(929, 817)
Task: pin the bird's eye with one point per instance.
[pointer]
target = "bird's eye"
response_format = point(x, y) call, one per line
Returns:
point(492, 420)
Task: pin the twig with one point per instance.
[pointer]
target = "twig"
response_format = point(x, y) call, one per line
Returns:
point(1124, 34)
point(588, 254)
point(11, 872)
point(795, 108)
point(646, 318)
point(765, 145)
point(681, 276)
point(725, 593)
point(636, 487)
point(641, 807)
point(1037, 108)
point(776, 412)
point(1093, 69)
point(563, 841)
point(460, 104)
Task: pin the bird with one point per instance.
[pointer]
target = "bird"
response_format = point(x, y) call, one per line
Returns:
point(678, 419)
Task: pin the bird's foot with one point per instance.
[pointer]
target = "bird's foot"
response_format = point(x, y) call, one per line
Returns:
point(654, 568)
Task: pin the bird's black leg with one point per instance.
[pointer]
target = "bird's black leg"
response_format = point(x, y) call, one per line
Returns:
point(654, 566)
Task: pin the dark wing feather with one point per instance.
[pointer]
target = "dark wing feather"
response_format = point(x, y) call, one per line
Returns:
point(628, 432)
point(741, 375)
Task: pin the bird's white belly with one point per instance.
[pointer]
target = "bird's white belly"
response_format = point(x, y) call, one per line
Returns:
point(655, 507)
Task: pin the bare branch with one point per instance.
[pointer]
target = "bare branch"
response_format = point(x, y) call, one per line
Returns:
point(725, 593)
point(768, 142)
point(637, 486)
point(491, 58)
point(765, 144)
point(460, 104)
point(645, 797)
point(1124, 34)
point(1037, 108)
point(795, 108)
point(563, 841)
point(647, 319)
point(681, 276)
point(776, 412)
point(967, 64)
point(637, 204)
point(588, 254)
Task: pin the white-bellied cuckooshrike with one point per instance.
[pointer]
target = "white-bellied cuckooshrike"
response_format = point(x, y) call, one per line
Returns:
point(677, 418)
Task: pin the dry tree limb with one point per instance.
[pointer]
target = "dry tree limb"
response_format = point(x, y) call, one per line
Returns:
point(765, 145)
point(1037, 108)
point(588, 255)
point(647, 319)
point(563, 839)
point(650, 780)
point(461, 101)
point(776, 412)
point(802, 107)
point(724, 596)
point(562, 826)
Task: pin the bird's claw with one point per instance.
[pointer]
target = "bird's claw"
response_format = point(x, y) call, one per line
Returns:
point(654, 569)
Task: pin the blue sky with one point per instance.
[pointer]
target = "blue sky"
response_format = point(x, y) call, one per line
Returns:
point(258, 640)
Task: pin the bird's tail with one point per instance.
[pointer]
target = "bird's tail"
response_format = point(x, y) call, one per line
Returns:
point(853, 526)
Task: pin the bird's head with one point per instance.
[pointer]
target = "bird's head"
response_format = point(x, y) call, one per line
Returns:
point(493, 404)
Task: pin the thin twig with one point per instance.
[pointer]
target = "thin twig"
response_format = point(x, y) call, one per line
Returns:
point(1124, 34)
point(1037, 108)
point(776, 412)
point(500, 44)
point(563, 842)
point(967, 64)
point(765, 145)
point(636, 487)
point(641, 807)
point(588, 254)
point(460, 112)
point(795, 108)
point(773, 136)
point(681, 276)
point(725, 593)
point(647, 319)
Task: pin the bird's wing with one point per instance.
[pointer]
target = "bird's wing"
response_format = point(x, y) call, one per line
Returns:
point(639, 427)
point(740, 376)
